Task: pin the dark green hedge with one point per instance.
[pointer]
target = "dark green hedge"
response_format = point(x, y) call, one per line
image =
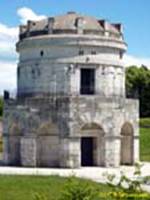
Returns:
point(1, 106)
point(145, 122)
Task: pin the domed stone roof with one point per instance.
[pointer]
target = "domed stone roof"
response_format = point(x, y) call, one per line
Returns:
point(68, 23)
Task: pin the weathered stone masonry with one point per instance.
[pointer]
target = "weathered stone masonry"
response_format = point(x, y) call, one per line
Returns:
point(71, 109)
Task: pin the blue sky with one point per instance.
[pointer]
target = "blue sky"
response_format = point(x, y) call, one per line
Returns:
point(134, 14)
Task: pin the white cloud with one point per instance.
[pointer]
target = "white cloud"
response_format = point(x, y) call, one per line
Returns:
point(7, 76)
point(8, 55)
point(26, 14)
point(133, 60)
point(8, 38)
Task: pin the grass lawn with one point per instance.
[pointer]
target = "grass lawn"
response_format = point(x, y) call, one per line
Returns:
point(145, 144)
point(25, 187)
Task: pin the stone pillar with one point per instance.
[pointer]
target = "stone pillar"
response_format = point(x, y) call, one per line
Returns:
point(28, 152)
point(112, 151)
point(11, 153)
point(5, 150)
point(79, 24)
point(29, 24)
point(70, 153)
point(51, 21)
point(22, 29)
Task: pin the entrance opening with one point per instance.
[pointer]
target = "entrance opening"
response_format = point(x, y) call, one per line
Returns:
point(87, 81)
point(87, 155)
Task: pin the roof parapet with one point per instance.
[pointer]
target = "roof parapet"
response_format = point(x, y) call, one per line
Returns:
point(79, 24)
point(71, 12)
point(119, 27)
point(104, 24)
point(51, 21)
point(29, 25)
point(22, 29)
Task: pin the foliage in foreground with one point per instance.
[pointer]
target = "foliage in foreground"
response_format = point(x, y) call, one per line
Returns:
point(77, 190)
point(145, 122)
point(1, 106)
point(138, 86)
point(124, 189)
point(144, 144)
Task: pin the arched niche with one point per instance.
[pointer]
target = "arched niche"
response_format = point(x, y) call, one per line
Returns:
point(93, 128)
point(127, 144)
point(15, 129)
point(127, 129)
point(47, 128)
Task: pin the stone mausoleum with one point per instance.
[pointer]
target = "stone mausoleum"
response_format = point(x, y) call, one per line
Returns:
point(71, 108)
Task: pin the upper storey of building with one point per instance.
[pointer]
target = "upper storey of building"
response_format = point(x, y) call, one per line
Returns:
point(71, 54)
point(71, 23)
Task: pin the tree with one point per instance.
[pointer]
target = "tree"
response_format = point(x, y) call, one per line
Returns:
point(1, 106)
point(138, 86)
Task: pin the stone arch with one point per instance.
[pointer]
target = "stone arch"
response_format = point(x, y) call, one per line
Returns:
point(31, 123)
point(127, 144)
point(15, 129)
point(47, 144)
point(92, 126)
point(47, 128)
point(13, 142)
point(127, 129)
point(92, 142)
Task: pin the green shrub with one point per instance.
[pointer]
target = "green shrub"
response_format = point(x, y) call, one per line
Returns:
point(145, 122)
point(128, 188)
point(38, 196)
point(1, 106)
point(75, 189)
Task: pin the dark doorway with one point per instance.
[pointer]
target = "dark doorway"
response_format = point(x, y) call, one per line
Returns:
point(87, 151)
point(87, 81)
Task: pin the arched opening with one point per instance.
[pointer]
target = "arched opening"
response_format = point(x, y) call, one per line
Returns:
point(126, 155)
point(13, 147)
point(47, 145)
point(92, 145)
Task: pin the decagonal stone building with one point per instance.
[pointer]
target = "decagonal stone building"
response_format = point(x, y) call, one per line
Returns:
point(71, 108)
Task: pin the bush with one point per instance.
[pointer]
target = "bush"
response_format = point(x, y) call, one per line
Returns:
point(145, 122)
point(127, 188)
point(1, 106)
point(75, 189)
point(39, 197)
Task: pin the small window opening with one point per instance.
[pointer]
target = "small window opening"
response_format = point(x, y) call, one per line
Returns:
point(87, 84)
point(33, 73)
point(81, 52)
point(18, 72)
point(121, 54)
point(93, 52)
point(38, 72)
point(42, 53)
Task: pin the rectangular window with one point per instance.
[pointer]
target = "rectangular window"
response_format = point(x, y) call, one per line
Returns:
point(87, 84)
point(93, 52)
point(81, 52)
